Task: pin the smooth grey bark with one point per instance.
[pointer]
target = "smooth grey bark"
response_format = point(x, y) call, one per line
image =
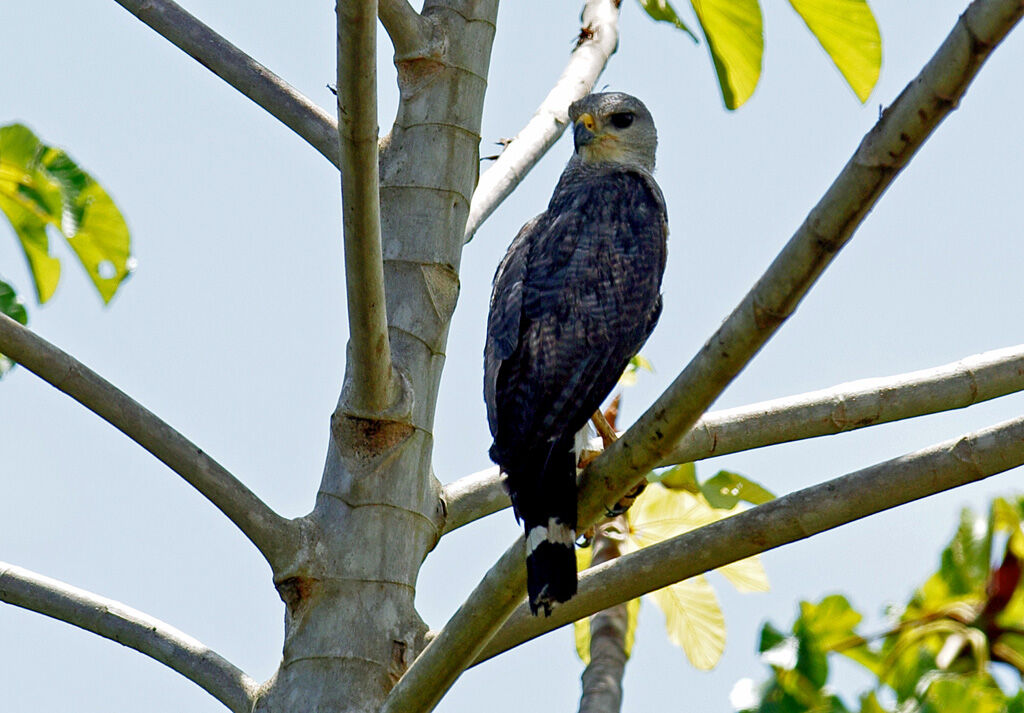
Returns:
point(348, 573)
point(807, 512)
point(241, 71)
point(129, 627)
point(599, 37)
point(883, 153)
point(601, 680)
point(274, 536)
point(841, 408)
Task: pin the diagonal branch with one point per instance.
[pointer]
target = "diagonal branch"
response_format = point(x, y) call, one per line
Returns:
point(131, 628)
point(272, 534)
point(370, 386)
point(599, 38)
point(883, 153)
point(796, 516)
point(404, 26)
point(241, 71)
point(846, 407)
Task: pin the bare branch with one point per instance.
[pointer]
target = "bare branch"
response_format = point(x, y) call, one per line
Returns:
point(241, 71)
point(888, 147)
point(602, 678)
point(272, 534)
point(370, 381)
point(404, 26)
point(796, 516)
point(598, 40)
point(883, 153)
point(129, 627)
point(846, 407)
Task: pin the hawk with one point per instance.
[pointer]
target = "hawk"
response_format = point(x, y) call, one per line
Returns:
point(574, 299)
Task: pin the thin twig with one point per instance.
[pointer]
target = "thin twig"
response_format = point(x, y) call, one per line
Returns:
point(404, 26)
point(846, 407)
point(129, 627)
point(902, 130)
point(241, 71)
point(796, 516)
point(370, 388)
point(272, 534)
point(596, 45)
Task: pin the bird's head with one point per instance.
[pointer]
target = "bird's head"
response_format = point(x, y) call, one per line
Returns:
point(613, 128)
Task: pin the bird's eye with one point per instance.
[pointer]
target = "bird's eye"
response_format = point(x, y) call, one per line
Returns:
point(622, 119)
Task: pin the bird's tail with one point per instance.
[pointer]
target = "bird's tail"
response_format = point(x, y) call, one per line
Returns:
point(549, 514)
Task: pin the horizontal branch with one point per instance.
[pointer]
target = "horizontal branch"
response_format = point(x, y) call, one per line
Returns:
point(598, 40)
point(272, 534)
point(846, 407)
point(796, 516)
point(883, 153)
point(241, 71)
point(131, 628)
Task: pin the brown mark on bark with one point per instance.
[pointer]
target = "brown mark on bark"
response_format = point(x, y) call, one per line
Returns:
point(296, 591)
point(399, 662)
point(369, 437)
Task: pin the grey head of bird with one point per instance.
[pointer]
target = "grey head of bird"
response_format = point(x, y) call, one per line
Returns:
point(613, 128)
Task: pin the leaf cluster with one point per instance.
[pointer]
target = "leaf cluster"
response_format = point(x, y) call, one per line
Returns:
point(734, 33)
point(943, 649)
point(43, 189)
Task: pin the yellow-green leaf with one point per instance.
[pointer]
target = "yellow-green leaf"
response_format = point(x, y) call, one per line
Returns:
point(31, 232)
point(662, 11)
point(849, 34)
point(747, 575)
point(734, 33)
point(660, 513)
point(693, 620)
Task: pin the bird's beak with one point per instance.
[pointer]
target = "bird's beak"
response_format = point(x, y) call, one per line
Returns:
point(584, 131)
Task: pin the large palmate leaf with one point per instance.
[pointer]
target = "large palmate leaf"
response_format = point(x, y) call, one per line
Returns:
point(734, 33)
point(849, 34)
point(41, 187)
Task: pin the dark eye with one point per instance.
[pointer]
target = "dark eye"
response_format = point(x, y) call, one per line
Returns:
point(622, 119)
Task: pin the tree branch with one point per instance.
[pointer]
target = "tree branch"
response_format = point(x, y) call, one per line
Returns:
point(370, 388)
point(882, 154)
point(272, 534)
point(404, 26)
point(129, 627)
point(602, 678)
point(598, 41)
point(794, 517)
point(241, 71)
point(846, 407)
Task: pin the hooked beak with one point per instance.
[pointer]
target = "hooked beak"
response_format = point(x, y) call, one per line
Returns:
point(584, 131)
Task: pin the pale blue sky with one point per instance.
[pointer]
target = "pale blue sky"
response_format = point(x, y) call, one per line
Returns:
point(232, 328)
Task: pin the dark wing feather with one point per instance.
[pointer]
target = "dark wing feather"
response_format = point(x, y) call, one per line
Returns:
point(588, 296)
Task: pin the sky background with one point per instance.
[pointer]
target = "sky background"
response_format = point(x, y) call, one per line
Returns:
point(233, 327)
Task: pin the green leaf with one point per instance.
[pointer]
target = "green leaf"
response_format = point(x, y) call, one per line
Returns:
point(734, 33)
point(870, 704)
point(42, 186)
point(662, 11)
point(770, 638)
point(13, 307)
point(849, 34)
point(725, 489)
point(976, 694)
point(678, 477)
point(629, 374)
